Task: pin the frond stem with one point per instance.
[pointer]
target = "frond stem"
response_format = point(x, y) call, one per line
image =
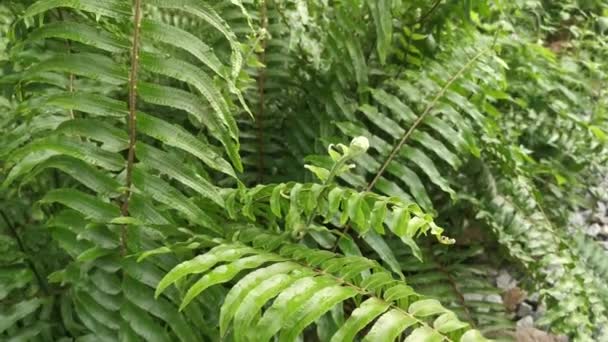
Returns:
point(418, 121)
point(132, 120)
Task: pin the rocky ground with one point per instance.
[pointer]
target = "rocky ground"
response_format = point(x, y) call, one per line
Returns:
point(594, 222)
point(528, 308)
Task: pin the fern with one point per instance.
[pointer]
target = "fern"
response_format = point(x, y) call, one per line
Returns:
point(166, 175)
point(307, 284)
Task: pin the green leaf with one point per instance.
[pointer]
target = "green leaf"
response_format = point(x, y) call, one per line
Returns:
point(178, 137)
point(179, 38)
point(190, 74)
point(402, 111)
point(355, 202)
point(84, 203)
point(87, 175)
point(224, 273)
point(399, 222)
point(113, 139)
point(205, 12)
point(312, 309)
point(81, 33)
point(275, 199)
point(142, 323)
point(381, 12)
point(243, 287)
point(389, 326)
point(473, 336)
point(162, 192)
point(93, 66)
point(359, 319)
point(397, 292)
point(448, 322)
point(17, 312)
point(321, 173)
point(110, 8)
point(424, 334)
point(248, 310)
point(42, 149)
point(202, 263)
point(427, 165)
point(426, 307)
point(288, 302)
point(173, 167)
point(385, 253)
point(437, 147)
point(188, 102)
point(141, 296)
point(89, 103)
point(377, 216)
point(334, 199)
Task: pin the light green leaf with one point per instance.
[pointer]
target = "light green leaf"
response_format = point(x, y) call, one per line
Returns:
point(235, 296)
point(361, 317)
point(389, 326)
point(275, 199)
point(287, 303)
point(426, 307)
point(424, 334)
point(448, 322)
point(224, 273)
point(249, 308)
point(473, 336)
point(312, 309)
point(399, 222)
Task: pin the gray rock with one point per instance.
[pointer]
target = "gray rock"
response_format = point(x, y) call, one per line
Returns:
point(524, 310)
point(534, 297)
point(504, 281)
point(526, 322)
point(540, 311)
point(594, 230)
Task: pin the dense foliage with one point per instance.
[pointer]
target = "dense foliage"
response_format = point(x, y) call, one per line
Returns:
point(197, 170)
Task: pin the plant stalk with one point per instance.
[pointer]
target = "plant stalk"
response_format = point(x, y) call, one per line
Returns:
point(132, 120)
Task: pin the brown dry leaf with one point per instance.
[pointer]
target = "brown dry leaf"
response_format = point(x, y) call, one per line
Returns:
point(513, 297)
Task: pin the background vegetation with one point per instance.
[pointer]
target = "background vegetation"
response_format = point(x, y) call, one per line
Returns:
point(190, 170)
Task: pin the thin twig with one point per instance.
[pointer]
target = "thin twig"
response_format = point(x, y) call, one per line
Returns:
point(132, 120)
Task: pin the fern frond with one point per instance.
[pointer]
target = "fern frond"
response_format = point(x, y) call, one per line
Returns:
point(307, 284)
